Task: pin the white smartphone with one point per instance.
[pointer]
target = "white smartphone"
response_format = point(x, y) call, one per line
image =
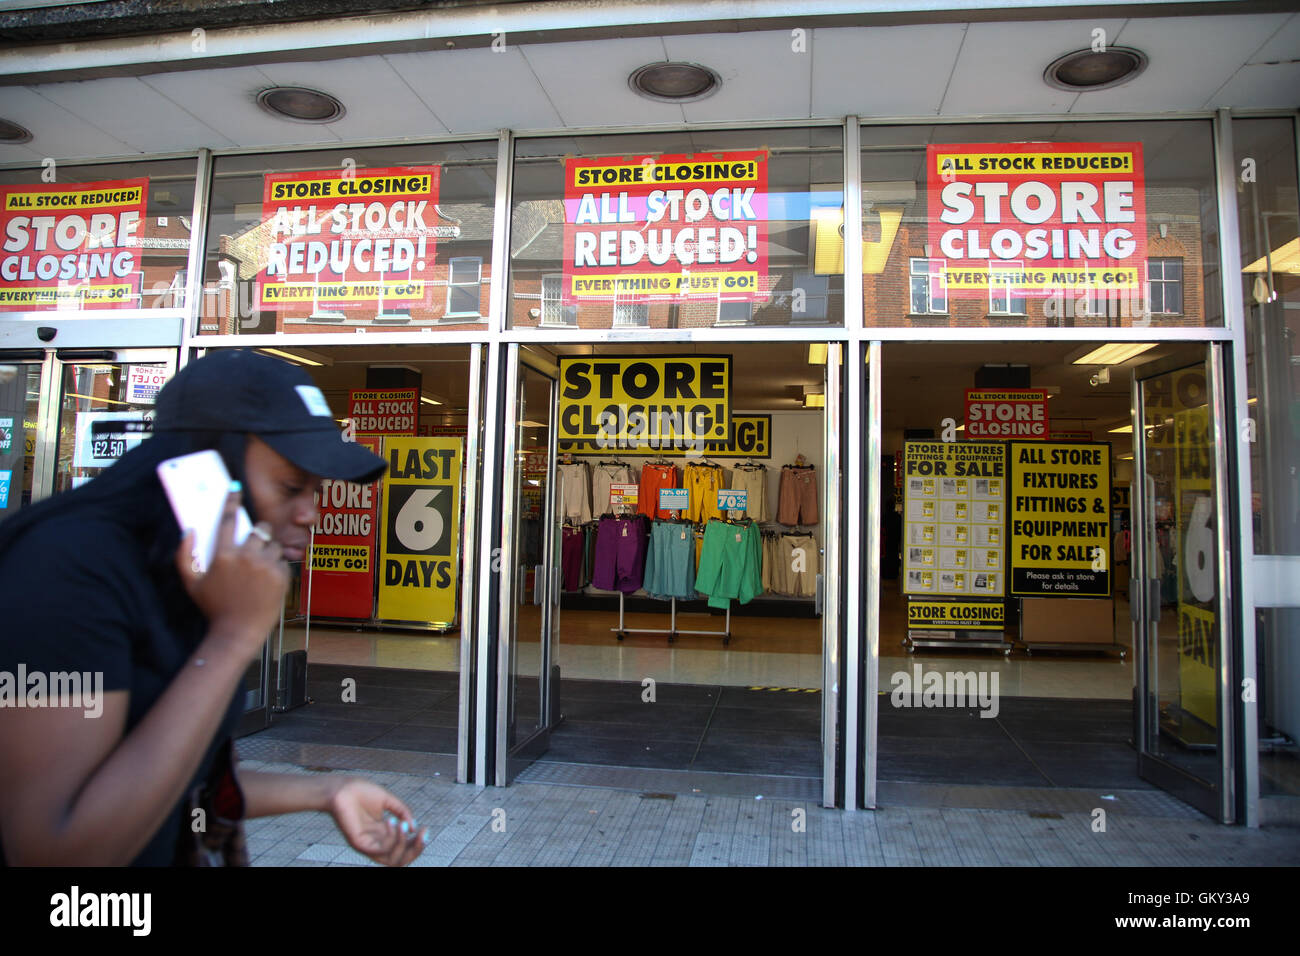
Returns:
point(197, 486)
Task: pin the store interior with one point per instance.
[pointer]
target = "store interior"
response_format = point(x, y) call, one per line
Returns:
point(743, 693)
point(1064, 713)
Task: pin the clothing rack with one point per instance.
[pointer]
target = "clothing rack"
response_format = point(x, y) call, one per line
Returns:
point(622, 631)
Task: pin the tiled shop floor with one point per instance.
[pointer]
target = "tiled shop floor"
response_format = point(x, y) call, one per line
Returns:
point(549, 825)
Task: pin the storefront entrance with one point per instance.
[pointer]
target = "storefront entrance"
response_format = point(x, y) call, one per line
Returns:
point(1050, 560)
point(658, 629)
point(369, 652)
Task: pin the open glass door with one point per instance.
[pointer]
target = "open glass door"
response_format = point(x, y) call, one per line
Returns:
point(1180, 588)
point(21, 392)
point(528, 688)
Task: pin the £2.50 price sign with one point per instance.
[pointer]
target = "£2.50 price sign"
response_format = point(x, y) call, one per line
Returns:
point(420, 546)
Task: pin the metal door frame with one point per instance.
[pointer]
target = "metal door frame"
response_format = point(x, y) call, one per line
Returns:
point(509, 761)
point(1216, 799)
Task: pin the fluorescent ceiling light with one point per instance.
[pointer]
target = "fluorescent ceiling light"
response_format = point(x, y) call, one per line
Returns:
point(1286, 258)
point(1122, 430)
point(1116, 353)
point(290, 356)
point(429, 401)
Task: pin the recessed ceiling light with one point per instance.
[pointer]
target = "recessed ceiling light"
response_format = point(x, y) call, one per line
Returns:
point(300, 104)
point(13, 134)
point(1086, 70)
point(674, 82)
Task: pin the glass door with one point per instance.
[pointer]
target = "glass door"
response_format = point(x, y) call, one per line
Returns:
point(528, 672)
point(21, 379)
point(1180, 588)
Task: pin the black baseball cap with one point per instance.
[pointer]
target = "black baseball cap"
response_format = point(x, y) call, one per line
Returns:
point(236, 390)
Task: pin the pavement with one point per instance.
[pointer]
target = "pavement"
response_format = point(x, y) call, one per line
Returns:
point(545, 824)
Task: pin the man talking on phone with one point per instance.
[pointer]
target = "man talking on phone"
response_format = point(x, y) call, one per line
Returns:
point(104, 580)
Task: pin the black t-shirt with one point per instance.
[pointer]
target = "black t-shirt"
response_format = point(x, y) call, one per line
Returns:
point(86, 591)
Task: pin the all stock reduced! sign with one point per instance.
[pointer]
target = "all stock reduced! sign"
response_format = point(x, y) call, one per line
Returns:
point(1037, 219)
point(419, 546)
point(72, 247)
point(667, 226)
point(645, 401)
point(1060, 519)
point(349, 239)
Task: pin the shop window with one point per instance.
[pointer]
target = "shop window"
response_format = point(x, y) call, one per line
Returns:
point(1165, 286)
point(463, 286)
point(369, 238)
point(554, 311)
point(929, 287)
point(985, 196)
point(132, 258)
point(689, 229)
point(1002, 292)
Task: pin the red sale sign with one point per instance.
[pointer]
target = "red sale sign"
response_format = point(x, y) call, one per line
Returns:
point(341, 583)
point(1037, 219)
point(1006, 413)
point(349, 239)
point(72, 247)
point(667, 226)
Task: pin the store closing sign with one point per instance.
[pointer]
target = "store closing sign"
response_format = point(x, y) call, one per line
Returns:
point(342, 582)
point(1198, 643)
point(751, 437)
point(1006, 413)
point(675, 226)
point(72, 246)
point(390, 411)
point(1037, 219)
point(1060, 519)
point(629, 402)
point(419, 546)
point(955, 615)
point(349, 238)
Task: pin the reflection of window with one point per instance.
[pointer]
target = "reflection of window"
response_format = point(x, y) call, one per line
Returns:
point(929, 286)
point(554, 311)
point(810, 299)
point(463, 285)
point(631, 314)
point(734, 313)
point(1002, 286)
point(1165, 286)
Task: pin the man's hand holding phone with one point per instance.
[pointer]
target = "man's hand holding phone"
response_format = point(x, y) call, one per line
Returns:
point(242, 591)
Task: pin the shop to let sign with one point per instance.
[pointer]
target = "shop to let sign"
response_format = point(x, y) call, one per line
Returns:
point(1006, 413)
point(1037, 219)
point(143, 383)
point(667, 226)
point(72, 247)
point(630, 402)
point(1060, 519)
point(419, 545)
point(390, 411)
point(349, 238)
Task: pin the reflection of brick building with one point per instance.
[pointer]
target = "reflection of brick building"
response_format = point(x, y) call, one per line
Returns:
point(889, 298)
point(456, 287)
point(791, 293)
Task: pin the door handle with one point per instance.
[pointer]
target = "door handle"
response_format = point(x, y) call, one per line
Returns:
point(1135, 600)
point(539, 583)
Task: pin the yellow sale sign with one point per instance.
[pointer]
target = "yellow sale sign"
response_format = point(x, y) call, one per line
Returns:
point(419, 546)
